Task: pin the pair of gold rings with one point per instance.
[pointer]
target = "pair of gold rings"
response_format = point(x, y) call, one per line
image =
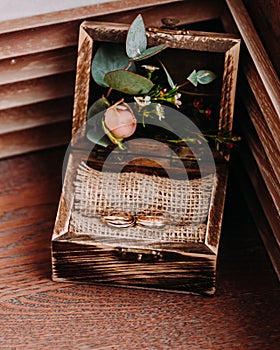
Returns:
point(124, 220)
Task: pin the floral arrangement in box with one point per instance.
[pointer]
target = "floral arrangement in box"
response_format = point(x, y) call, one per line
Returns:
point(135, 85)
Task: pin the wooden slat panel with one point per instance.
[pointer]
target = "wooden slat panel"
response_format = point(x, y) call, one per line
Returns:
point(187, 12)
point(203, 9)
point(263, 96)
point(30, 116)
point(255, 207)
point(263, 131)
point(37, 90)
point(38, 40)
point(34, 139)
point(261, 172)
point(37, 65)
point(257, 52)
point(265, 15)
point(260, 91)
point(50, 37)
point(78, 14)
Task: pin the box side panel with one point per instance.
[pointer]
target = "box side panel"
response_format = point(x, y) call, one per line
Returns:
point(193, 273)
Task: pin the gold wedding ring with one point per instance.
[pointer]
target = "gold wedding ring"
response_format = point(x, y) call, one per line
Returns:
point(151, 221)
point(123, 220)
point(119, 220)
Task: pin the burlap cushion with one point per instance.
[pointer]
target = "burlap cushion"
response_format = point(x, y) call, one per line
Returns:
point(185, 202)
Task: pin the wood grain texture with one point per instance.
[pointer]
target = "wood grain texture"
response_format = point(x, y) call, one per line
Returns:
point(263, 169)
point(40, 314)
point(205, 9)
point(265, 16)
point(37, 138)
point(37, 114)
point(38, 39)
point(259, 120)
point(263, 207)
point(256, 50)
point(255, 201)
point(103, 264)
point(37, 65)
point(185, 11)
point(37, 90)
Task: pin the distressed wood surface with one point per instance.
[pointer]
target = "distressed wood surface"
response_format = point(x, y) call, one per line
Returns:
point(40, 314)
point(41, 137)
point(262, 170)
point(259, 122)
point(37, 90)
point(37, 114)
point(37, 65)
point(265, 16)
point(256, 50)
point(202, 10)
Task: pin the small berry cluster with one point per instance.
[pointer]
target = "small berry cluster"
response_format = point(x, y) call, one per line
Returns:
point(198, 103)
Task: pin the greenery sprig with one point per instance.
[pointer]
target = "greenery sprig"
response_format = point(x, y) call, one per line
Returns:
point(114, 67)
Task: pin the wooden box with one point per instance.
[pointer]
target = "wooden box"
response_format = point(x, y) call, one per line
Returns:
point(167, 261)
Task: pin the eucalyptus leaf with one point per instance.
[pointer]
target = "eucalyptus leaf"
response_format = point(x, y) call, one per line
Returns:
point(193, 78)
point(150, 52)
point(136, 40)
point(98, 106)
point(109, 57)
point(205, 76)
point(95, 132)
point(169, 79)
point(128, 82)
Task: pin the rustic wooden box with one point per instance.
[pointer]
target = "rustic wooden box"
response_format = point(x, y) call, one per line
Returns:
point(183, 266)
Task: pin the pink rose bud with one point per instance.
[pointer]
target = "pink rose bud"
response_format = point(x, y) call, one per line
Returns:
point(120, 121)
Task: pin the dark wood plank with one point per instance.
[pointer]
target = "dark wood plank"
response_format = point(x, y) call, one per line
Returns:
point(37, 114)
point(37, 65)
point(113, 7)
point(261, 205)
point(32, 139)
point(38, 39)
point(263, 165)
point(186, 12)
point(257, 52)
point(259, 88)
point(265, 16)
point(46, 34)
point(36, 90)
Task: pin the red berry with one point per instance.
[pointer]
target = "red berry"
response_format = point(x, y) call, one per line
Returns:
point(208, 113)
point(230, 145)
point(195, 103)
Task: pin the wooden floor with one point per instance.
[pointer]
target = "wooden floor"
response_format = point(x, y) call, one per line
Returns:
point(36, 313)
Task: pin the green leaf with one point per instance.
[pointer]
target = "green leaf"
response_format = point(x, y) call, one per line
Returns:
point(98, 106)
point(150, 52)
point(95, 132)
point(109, 57)
point(205, 76)
point(128, 82)
point(169, 79)
point(193, 78)
point(136, 40)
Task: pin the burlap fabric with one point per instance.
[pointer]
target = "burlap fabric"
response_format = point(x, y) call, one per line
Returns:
point(184, 202)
